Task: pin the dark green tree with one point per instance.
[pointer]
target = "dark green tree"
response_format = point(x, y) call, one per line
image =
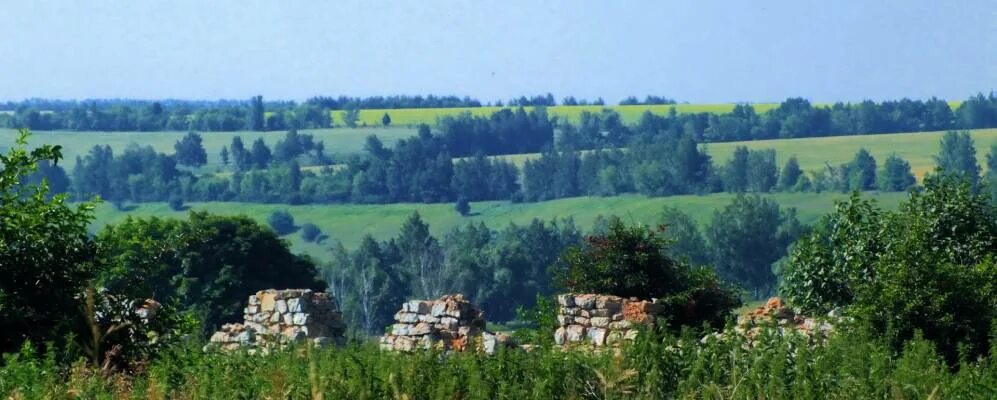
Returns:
point(896, 175)
point(862, 171)
point(256, 112)
point(189, 150)
point(762, 171)
point(463, 207)
point(281, 221)
point(928, 267)
point(47, 257)
point(224, 155)
point(687, 241)
point(790, 174)
point(310, 232)
point(736, 171)
point(386, 120)
point(957, 156)
point(206, 263)
point(260, 154)
point(747, 237)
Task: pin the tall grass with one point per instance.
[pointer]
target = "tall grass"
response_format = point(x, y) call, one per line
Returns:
point(849, 365)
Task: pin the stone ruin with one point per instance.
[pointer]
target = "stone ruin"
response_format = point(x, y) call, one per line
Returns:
point(278, 317)
point(450, 323)
point(602, 320)
point(775, 313)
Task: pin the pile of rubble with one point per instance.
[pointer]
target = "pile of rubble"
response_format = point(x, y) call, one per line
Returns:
point(602, 319)
point(775, 314)
point(277, 317)
point(448, 323)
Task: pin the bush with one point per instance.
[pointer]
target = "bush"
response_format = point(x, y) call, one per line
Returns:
point(929, 266)
point(310, 232)
point(281, 221)
point(462, 206)
point(175, 202)
point(633, 262)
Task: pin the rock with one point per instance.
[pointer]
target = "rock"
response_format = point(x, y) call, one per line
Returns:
point(267, 301)
point(416, 306)
point(294, 305)
point(406, 317)
point(575, 333)
point(281, 306)
point(566, 300)
point(299, 318)
point(597, 336)
point(585, 301)
point(400, 329)
point(599, 322)
point(565, 320)
point(582, 321)
point(560, 335)
point(421, 328)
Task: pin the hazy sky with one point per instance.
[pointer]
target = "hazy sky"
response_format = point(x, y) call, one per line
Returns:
point(696, 51)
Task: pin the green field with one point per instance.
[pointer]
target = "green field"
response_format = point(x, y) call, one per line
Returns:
point(917, 148)
point(348, 223)
point(337, 141)
point(629, 114)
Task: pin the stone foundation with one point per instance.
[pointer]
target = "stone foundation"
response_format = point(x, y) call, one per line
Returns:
point(601, 320)
point(450, 323)
point(278, 317)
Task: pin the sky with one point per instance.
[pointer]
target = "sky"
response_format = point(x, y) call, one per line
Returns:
point(691, 51)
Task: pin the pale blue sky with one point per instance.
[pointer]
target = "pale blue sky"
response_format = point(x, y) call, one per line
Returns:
point(696, 51)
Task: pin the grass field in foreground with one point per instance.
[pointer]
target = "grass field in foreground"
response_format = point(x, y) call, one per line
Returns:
point(337, 140)
point(348, 223)
point(918, 148)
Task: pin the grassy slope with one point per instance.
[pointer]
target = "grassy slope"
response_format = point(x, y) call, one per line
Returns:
point(337, 141)
point(630, 114)
point(917, 148)
point(349, 223)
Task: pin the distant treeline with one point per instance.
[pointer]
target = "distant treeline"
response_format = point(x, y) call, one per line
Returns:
point(422, 169)
point(795, 117)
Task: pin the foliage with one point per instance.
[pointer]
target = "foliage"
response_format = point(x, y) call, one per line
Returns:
point(175, 202)
point(895, 175)
point(957, 156)
point(189, 150)
point(927, 267)
point(282, 222)
point(206, 264)
point(463, 207)
point(633, 262)
point(47, 256)
point(749, 235)
point(310, 232)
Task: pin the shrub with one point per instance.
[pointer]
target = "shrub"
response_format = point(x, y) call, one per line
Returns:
point(929, 266)
point(462, 206)
point(633, 262)
point(310, 232)
point(281, 221)
point(175, 202)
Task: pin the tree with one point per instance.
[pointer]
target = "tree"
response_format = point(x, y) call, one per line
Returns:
point(310, 232)
point(47, 256)
point(634, 262)
point(350, 117)
point(260, 154)
point(928, 266)
point(736, 171)
point(463, 207)
point(242, 158)
point(281, 221)
point(896, 175)
point(790, 174)
point(175, 202)
point(422, 258)
point(189, 150)
point(762, 171)
point(206, 263)
point(747, 237)
point(224, 155)
point(862, 171)
point(992, 172)
point(686, 240)
point(386, 119)
point(256, 120)
point(957, 156)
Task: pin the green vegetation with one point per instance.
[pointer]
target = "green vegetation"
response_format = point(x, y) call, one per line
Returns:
point(338, 141)
point(349, 222)
point(917, 148)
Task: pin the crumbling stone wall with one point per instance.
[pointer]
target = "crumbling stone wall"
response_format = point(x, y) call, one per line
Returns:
point(448, 323)
point(277, 317)
point(602, 320)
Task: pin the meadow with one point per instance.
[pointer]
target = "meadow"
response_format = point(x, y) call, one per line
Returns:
point(348, 223)
point(338, 141)
point(629, 113)
point(918, 148)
